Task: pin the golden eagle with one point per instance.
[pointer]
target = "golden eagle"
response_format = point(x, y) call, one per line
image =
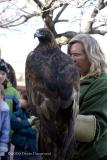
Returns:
point(52, 83)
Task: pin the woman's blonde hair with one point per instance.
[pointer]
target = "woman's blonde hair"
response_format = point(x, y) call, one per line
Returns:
point(93, 51)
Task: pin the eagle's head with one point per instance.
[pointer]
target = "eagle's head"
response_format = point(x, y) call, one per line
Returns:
point(44, 35)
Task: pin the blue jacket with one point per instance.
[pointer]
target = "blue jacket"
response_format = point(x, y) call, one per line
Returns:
point(24, 136)
point(4, 126)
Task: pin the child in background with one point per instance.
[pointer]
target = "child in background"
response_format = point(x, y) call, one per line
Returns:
point(4, 125)
point(24, 138)
point(11, 94)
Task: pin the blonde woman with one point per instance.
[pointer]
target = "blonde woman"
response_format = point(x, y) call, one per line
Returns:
point(91, 127)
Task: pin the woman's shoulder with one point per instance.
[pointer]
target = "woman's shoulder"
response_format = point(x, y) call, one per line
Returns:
point(95, 80)
point(102, 80)
point(92, 85)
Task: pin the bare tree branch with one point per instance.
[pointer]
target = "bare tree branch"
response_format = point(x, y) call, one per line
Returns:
point(22, 10)
point(39, 3)
point(60, 12)
point(101, 32)
point(101, 4)
point(50, 4)
point(93, 15)
point(22, 19)
point(82, 4)
point(62, 20)
point(4, 1)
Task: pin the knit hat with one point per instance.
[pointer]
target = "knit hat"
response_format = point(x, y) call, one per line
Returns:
point(3, 66)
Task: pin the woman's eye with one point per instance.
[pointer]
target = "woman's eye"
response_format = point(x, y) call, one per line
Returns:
point(77, 55)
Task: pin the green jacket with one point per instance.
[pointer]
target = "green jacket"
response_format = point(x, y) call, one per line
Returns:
point(11, 97)
point(93, 100)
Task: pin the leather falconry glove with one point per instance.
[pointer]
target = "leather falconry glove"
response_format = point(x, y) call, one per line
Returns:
point(85, 128)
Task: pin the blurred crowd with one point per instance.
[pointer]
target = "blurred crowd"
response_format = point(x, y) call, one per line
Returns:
point(18, 135)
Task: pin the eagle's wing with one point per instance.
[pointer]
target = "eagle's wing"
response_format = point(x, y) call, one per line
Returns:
point(52, 78)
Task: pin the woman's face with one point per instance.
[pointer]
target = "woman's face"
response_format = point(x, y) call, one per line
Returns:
point(80, 58)
point(2, 76)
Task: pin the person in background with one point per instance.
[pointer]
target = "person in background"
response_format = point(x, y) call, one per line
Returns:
point(11, 94)
point(91, 124)
point(11, 75)
point(4, 125)
point(25, 137)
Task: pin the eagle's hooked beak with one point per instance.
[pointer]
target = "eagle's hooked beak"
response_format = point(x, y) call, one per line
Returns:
point(37, 34)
